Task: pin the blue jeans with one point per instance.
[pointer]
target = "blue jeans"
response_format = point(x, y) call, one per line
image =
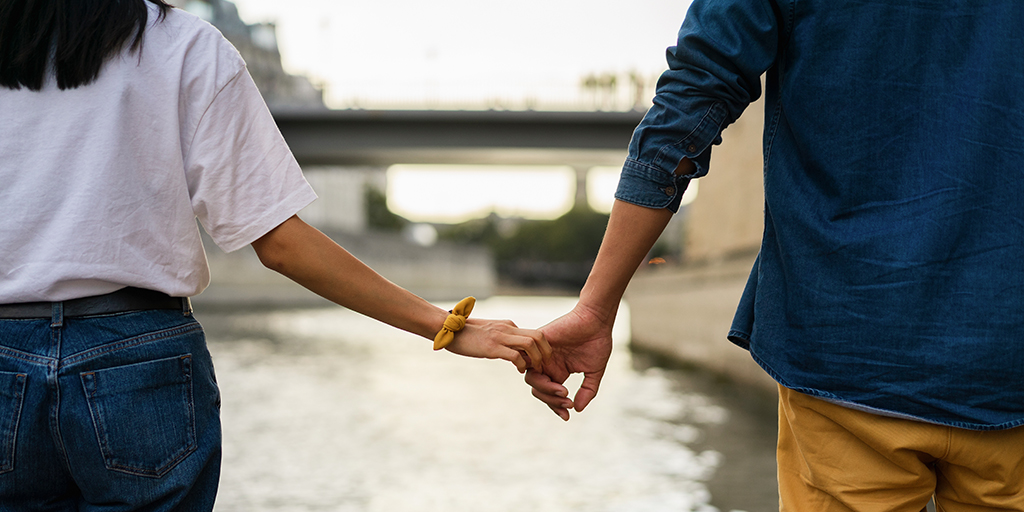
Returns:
point(111, 413)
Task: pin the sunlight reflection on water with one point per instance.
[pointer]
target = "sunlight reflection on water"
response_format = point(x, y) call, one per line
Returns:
point(327, 410)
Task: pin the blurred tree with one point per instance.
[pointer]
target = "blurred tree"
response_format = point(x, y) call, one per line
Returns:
point(378, 216)
point(552, 253)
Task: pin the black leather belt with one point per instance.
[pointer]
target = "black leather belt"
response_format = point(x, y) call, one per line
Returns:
point(125, 299)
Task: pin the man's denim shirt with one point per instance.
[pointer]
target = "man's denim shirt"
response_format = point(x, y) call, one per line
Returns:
point(891, 273)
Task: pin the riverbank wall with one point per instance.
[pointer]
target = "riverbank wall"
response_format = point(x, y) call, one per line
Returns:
point(684, 313)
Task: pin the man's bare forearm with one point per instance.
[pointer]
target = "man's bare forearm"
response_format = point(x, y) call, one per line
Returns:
point(631, 233)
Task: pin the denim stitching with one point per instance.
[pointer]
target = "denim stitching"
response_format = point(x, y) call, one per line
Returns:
point(25, 356)
point(130, 342)
point(824, 395)
point(772, 127)
point(646, 172)
point(698, 133)
point(89, 383)
point(101, 431)
point(7, 465)
point(53, 384)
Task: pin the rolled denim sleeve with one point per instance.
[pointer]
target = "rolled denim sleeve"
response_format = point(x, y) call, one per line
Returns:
point(714, 72)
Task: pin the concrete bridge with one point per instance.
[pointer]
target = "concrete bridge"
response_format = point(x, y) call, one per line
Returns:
point(385, 137)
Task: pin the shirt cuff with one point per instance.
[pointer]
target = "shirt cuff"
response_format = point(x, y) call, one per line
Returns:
point(651, 187)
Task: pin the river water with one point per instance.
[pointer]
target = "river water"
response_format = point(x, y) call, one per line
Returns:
point(325, 410)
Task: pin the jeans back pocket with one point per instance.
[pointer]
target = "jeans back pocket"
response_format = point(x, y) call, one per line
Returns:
point(12, 397)
point(143, 414)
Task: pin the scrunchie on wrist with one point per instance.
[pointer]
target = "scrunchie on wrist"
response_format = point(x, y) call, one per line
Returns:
point(455, 322)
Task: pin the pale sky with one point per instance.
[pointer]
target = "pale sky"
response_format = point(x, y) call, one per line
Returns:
point(474, 54)
point(467, 49)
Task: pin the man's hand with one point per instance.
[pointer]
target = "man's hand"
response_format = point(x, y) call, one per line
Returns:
point(581, 341)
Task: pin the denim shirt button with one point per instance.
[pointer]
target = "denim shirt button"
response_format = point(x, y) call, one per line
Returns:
point(670, 191)
point(691, 148)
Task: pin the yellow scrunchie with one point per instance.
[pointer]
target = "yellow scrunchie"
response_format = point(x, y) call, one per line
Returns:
point(455, 322)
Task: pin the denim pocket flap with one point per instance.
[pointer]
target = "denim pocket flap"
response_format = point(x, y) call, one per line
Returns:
point(12, 395)
point(143, 414)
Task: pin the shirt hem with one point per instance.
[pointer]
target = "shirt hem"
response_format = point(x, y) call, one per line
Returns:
point(831, 398)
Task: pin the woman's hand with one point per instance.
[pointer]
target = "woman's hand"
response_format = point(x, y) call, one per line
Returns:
point(501, 339)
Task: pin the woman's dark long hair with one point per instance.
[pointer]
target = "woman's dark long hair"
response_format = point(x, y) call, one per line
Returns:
point(74, 36)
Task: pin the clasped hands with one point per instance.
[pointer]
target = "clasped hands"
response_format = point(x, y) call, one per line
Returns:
point(578, 342)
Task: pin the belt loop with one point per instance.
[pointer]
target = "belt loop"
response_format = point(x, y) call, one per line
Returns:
point(186, 306)
point(57, 314)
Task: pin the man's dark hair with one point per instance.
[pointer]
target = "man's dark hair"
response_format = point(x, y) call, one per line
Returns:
point(75, 37)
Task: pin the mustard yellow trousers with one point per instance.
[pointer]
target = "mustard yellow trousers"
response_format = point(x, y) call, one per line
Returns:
point(833, 458)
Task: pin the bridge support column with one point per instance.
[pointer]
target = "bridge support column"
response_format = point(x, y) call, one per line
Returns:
point(580, 200)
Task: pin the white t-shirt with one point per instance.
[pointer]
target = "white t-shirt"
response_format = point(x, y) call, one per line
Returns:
point(100, 186)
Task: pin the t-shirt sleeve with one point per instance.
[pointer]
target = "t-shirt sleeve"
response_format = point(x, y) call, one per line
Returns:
point(243, 179)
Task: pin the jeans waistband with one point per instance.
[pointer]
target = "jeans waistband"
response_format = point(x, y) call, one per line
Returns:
point(120, 301)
